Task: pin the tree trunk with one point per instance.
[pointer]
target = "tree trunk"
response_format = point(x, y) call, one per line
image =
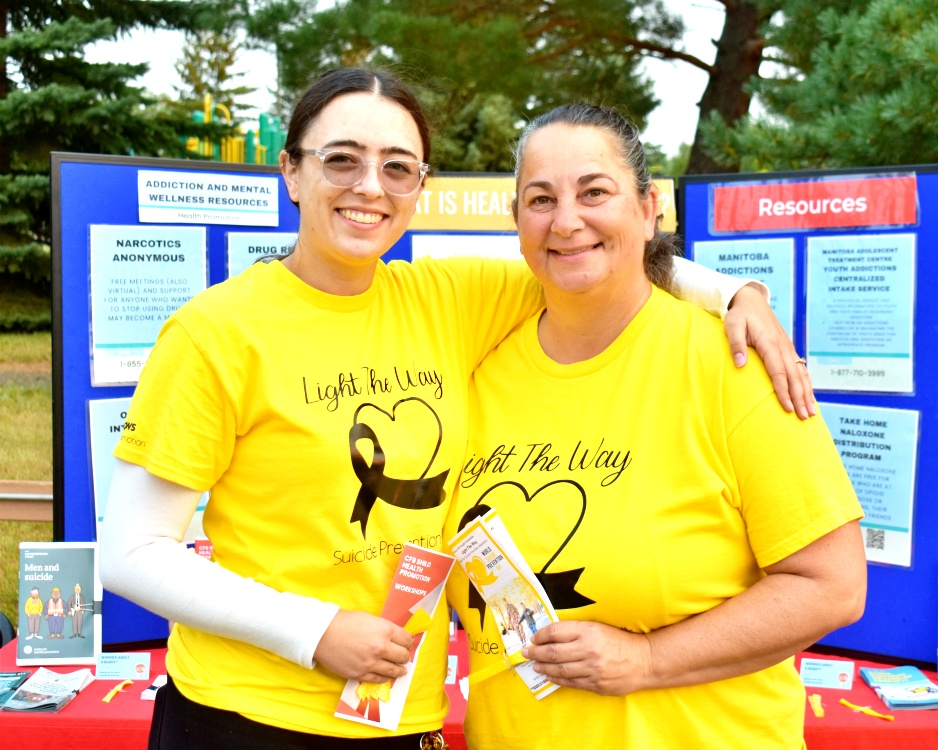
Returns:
point(739, 53)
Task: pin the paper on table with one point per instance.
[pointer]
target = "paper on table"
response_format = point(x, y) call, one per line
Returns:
point(48, 691)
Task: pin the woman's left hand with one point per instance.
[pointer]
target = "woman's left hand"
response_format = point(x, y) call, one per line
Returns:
point(591, 656)
point(751, 322)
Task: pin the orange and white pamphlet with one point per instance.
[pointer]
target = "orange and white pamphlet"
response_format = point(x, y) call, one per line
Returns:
point(416, 590)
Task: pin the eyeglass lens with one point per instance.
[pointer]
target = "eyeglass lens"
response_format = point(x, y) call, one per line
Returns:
point(344, 169)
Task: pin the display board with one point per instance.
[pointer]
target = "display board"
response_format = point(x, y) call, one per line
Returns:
point(848, 255)
point(133, 239)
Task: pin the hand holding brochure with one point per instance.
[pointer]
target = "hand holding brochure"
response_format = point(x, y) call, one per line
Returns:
point(902, 687)
point(498, 570)
point(48, 691)
point(416, 589)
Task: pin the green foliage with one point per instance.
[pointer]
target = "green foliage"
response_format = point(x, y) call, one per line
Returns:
point(23, 306)
point(866, 97)
point(661, 164)
point(479, 137)
point(51, 99)
point(25, 288)
point(205, 68)
point(31, 261)
point(484, 68)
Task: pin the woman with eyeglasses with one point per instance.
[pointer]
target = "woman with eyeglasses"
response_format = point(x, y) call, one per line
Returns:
point(322, 399)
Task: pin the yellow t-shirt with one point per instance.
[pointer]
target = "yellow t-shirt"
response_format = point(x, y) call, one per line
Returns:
point(330, 431)
point(645, 485)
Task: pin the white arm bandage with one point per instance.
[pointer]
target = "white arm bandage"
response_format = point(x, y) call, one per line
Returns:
point(143, 558)
point(709, 290)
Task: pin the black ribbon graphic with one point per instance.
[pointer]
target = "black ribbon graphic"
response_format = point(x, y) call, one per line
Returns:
point(560, 586)
point(414, 494)
point(475, 598)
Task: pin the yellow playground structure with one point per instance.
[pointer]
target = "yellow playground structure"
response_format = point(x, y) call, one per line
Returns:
point(246, 147)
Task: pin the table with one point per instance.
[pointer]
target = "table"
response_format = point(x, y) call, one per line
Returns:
point(125, 721)
point(840, 729)
point(843, 729)
point(86, 723)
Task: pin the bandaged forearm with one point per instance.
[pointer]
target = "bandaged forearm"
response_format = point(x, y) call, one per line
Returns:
point(707, 289)
point(143, 558)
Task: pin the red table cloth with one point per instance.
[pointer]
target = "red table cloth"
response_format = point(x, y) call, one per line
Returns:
point(90, 724)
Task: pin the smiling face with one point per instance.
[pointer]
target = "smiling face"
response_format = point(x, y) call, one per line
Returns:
point(344, 231)
point(581, 222)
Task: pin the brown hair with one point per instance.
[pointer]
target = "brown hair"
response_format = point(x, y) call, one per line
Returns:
point(339, 81)
point(660, 249)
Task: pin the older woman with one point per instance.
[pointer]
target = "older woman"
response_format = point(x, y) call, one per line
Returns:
point(691, 534)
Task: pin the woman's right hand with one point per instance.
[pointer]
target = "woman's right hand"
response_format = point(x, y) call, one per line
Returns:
point(362, 647)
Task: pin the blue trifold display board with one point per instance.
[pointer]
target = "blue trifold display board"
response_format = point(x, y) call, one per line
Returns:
point(821, 209)
point(89, 190)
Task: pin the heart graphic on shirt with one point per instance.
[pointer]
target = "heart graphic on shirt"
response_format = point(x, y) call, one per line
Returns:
point(561, 505)
point(392, 453)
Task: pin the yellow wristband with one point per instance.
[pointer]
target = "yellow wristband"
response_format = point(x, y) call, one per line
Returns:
point(867, 710)
point(116, 690)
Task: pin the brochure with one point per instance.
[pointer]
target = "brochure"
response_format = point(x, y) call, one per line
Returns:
point(416, 590)
point(150, 693)
point(134, 665)
point(48, 691)
point(902, 688)
point(59, 603)
point(9, 682)
point(827, 673)
point(498, 570)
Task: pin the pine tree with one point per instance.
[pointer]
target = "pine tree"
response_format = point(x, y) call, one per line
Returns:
point(205, 68)
point(866, 96)
point(52, 99)
point(482, 68)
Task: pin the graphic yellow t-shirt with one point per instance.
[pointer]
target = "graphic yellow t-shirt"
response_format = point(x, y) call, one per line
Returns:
point(643, 486)
point(330, 431)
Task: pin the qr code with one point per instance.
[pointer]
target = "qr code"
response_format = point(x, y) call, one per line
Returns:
point(875, 538)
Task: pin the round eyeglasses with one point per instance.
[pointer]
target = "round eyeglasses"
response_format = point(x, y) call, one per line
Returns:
point(346, 169)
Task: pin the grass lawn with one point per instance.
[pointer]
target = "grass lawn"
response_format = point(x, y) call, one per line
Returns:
point(26, 349)
point(25, 443)
point(11, 534)
point(26, 432)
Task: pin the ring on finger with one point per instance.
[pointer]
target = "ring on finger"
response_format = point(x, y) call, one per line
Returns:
point(801, 361)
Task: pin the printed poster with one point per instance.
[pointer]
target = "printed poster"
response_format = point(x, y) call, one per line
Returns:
point(59, 603)
point(174, 197)
point(878, 448)
point(246, 248)
point(770, 261)
point(861, 292)
point(106, 421)
point(139, 277)
point(416, 590)
point(427, 245)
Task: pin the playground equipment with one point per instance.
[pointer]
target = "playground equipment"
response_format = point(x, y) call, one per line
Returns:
point(245, 147)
